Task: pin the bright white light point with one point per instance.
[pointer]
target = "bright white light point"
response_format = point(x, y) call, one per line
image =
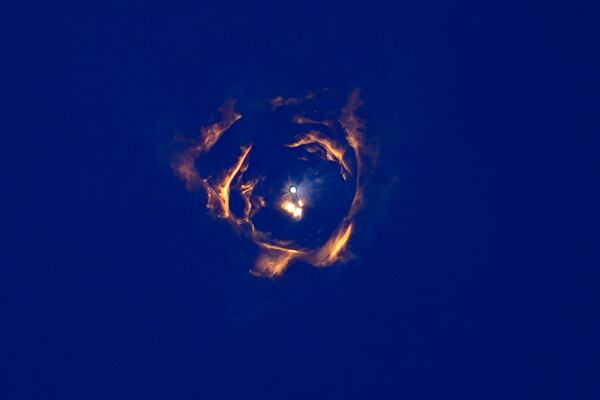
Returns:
point(300, 203)
point(293, 189)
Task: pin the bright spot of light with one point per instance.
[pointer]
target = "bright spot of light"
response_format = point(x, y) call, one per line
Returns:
point(293, 208)
point(293, 189)
point(289, 207)
point(298, 213)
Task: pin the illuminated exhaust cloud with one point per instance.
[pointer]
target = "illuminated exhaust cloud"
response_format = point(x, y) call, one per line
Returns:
point(275, 254)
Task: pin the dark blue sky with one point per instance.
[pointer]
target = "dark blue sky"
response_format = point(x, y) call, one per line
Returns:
point(477, 254)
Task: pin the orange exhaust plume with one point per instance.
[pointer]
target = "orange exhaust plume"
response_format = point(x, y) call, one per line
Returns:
point(276, 255)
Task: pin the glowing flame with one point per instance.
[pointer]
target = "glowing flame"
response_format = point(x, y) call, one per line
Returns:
point(276, 255)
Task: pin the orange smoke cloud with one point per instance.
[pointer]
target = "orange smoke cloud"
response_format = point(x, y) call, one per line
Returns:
point(184, 164)
point(328, 148)
point(276, 255)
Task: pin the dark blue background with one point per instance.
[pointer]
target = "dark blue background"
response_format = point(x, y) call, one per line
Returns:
point(476, 273)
